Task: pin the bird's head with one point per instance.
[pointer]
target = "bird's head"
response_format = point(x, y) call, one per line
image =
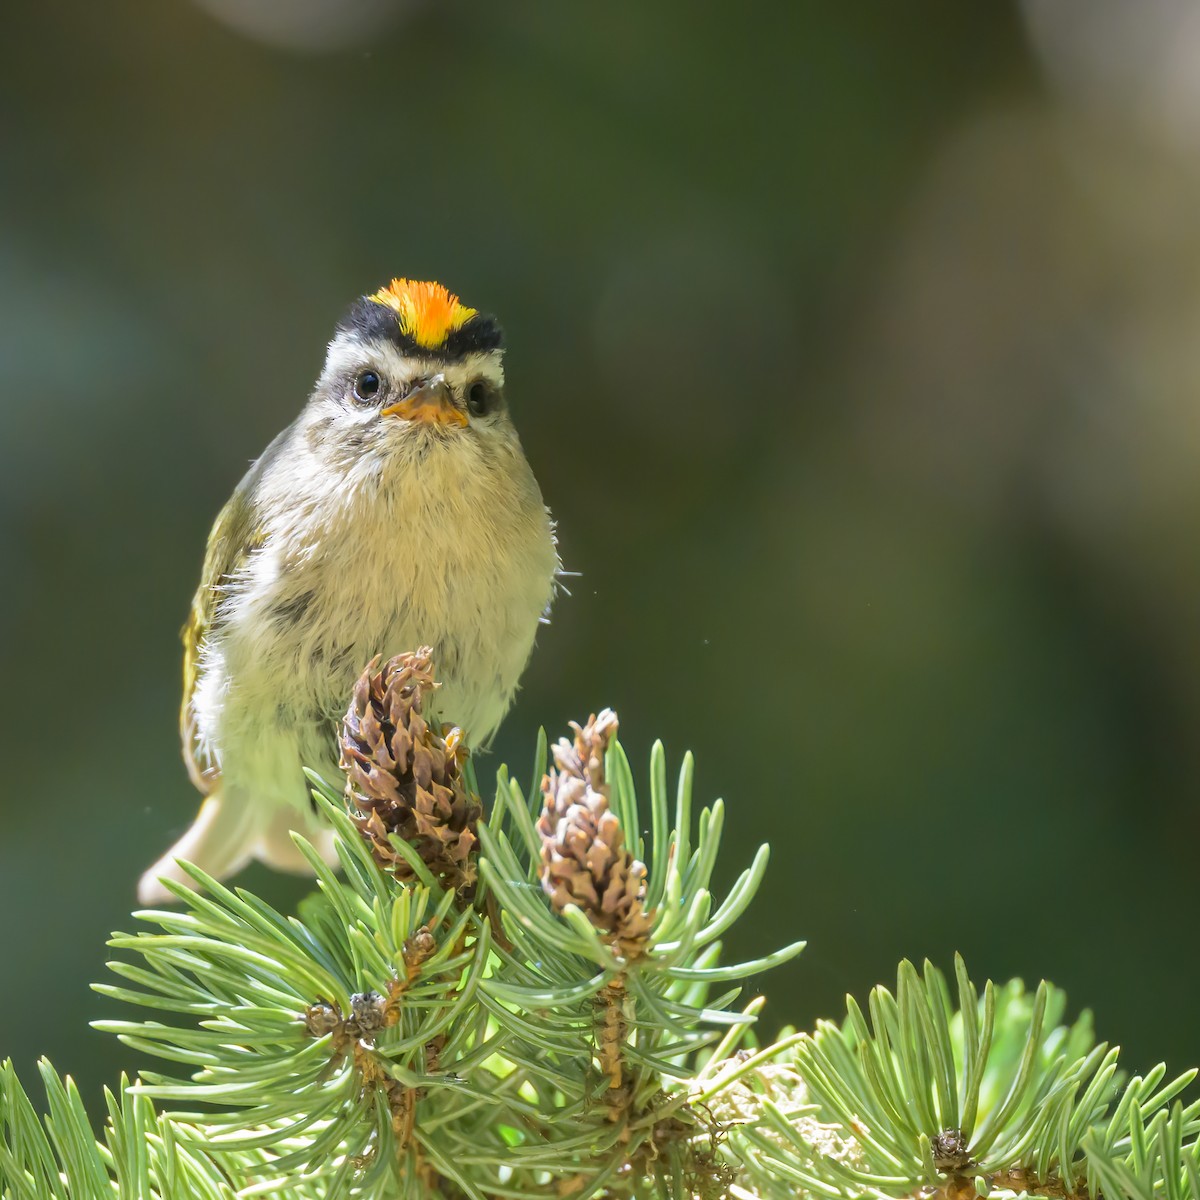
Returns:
point(411, 369)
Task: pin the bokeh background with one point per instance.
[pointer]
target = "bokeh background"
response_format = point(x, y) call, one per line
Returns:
point(854, 345)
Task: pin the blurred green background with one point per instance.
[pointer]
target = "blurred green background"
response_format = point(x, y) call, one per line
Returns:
point(854, 345)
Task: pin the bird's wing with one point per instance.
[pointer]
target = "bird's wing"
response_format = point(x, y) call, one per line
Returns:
point(236, 534)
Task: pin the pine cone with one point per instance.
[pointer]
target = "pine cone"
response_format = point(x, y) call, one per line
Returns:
point(404, 777)
point(584, 857)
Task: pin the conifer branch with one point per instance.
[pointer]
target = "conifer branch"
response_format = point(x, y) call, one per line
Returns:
point(533, 1004)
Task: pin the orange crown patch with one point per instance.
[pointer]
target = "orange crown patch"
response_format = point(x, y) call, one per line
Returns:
point(427, 312)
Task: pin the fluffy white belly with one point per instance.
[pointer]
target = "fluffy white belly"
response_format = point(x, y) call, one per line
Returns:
point(307, 614)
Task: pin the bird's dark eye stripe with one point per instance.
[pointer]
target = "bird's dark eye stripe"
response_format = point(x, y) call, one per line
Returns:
point(367, 385)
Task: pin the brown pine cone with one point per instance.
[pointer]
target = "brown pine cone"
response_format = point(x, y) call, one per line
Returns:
point(584, 857)
point(404, 775)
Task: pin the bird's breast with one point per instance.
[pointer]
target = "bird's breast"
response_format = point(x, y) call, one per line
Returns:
point(464, 570)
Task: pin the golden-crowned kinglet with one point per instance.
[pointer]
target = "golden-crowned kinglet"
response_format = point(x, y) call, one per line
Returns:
point(397, 511)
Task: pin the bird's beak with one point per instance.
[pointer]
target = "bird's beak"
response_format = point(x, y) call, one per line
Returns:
point(430, 403)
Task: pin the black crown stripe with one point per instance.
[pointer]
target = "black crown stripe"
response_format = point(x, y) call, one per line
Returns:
point(376, 322)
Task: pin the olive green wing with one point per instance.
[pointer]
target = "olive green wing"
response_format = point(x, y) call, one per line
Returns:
point(236, 534)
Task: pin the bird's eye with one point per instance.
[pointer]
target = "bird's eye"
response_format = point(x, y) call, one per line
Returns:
point(482, 398)
point(367, 385)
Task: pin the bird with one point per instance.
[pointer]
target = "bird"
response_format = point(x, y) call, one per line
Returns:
point(398, 510)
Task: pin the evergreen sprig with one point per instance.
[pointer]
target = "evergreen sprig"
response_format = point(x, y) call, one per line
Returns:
point(482, 1034)
point(56, 1157)
point(993, 1095)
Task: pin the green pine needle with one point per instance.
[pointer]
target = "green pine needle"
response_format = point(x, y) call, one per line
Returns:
point(400, 1040)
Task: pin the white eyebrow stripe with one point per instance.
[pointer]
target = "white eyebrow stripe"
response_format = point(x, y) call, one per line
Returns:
point(348, 354)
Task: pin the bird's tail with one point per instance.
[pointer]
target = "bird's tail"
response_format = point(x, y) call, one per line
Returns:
point(275, 847)
point(228, 832)
point(218, 841)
